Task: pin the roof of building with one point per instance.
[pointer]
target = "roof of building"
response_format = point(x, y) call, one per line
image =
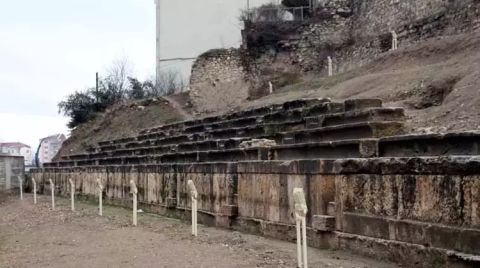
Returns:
point(54, 137)
point(13, 144)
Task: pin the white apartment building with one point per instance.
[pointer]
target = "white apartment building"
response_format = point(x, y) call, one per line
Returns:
point(17, 149)
point(49, 147)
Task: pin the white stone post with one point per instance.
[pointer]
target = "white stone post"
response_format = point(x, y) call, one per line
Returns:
point(194, 196)
point(330, 66)
point(52, 190)
point(20, 182)
point(100, 197)
point(72, 194)
point(134, 191)
point(34, 191)
point(300, 219)
point(394, 40)
point(270, 87)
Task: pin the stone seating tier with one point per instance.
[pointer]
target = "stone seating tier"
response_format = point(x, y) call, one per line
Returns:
point(310, 107)
point(225, 139)
point(370, 114)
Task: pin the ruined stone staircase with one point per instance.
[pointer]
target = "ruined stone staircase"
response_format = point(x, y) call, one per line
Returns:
point(367, 182)
point(305, 129)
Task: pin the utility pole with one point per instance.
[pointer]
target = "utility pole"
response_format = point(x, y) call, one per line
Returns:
point(158, 59)
point(96, 87)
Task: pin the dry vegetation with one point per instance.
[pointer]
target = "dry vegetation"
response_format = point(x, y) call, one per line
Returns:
point(122, 120)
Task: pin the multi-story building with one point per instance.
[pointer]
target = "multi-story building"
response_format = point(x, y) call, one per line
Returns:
point(49, 147)
point(17, 149)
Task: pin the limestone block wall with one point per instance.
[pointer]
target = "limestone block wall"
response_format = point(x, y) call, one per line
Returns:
point(418, 202)
point(219, 80)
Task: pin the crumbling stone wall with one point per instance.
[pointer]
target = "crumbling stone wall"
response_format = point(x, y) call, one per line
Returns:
point(219, 80)
point(355, 32)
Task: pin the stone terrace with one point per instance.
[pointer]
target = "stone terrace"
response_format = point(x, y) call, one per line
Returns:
point(371, 188)
point(321, 128)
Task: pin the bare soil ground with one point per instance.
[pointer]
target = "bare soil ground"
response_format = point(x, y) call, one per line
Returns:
point(437, 81)
point(35, 236)
point(121, 120)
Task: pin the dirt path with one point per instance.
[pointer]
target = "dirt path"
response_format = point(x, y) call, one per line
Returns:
point(35, 236)
point(186, 115)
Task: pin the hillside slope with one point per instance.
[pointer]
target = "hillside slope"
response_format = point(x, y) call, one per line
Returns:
point(125, 119)
point(437, 81)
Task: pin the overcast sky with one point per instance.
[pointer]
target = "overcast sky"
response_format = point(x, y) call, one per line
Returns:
point(50, 48)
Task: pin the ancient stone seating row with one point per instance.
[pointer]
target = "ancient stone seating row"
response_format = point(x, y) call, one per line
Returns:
point(255, 112)
point(453, 144)
point(223, 139)
point(289, 114)
point(327, 114)
point(317, 121)
point(179, 126)
point(322, 134)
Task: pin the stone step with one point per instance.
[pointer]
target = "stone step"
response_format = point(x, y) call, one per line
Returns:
point(311, 107)
point(346, 132)
point(366, 115)
point(466, 143)
point(298, 123)
point(338, 149)
point(163, 149)
point(281, 116)
point(207, 141)
point(245, 113)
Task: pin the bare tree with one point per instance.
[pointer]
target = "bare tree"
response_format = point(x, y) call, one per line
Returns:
point(118, 73)
point(170, 82)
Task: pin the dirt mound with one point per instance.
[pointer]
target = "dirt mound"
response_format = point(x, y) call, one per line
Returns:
point(122, 120)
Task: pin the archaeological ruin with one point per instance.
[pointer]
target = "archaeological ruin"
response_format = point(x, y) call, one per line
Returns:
point(370, 187)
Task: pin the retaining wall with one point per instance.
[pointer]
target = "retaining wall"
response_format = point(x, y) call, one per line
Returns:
point(417, 211)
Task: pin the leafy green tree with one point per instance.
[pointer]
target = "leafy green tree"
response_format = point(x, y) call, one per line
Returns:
point(136, 90)
point(79, 106)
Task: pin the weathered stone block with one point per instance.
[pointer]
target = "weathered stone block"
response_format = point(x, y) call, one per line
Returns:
point(171, 202)
point(359, 104)
point(331, 209)
point(323, 223)
point(229, 210)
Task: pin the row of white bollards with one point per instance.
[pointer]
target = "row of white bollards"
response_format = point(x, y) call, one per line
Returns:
point(52, 190)
point(100, 197)
point(298, 196)
point(100, 188)
point(301, 224)
point(194, 197)
point(72, 194)
point(134, 191)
